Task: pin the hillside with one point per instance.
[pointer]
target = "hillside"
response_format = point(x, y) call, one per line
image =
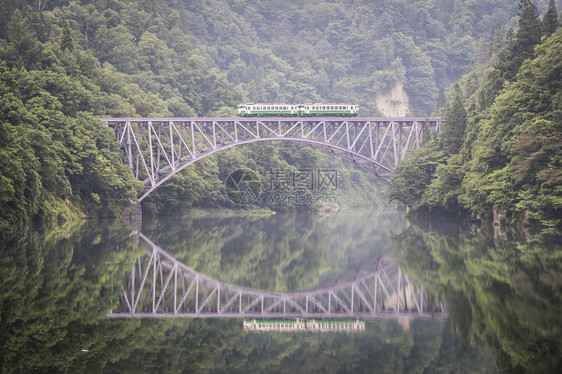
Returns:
point(499, 155)
point(66, 63)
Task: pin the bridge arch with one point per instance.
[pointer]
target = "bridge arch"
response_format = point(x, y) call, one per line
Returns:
point(155, 149)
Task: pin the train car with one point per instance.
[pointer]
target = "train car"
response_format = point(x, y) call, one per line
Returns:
point(320, 109)
point(297, 110)
point(268, 110)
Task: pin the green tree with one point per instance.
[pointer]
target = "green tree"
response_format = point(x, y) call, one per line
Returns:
point(454, 127)
point(66, 41)
point(414, 174)
point(550, 20)
point(23, 48)
point(527, 37)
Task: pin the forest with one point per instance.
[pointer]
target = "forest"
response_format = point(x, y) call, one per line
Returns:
point(499, 156)
point(491, 68)
point(64, 64)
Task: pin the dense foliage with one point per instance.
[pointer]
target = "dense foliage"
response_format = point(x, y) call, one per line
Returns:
point(348, 51)
point(53, 152)
point(66, 63)
point(510, 129)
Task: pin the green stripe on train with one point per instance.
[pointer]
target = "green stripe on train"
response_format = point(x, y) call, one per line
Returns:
point(330, 111)
point(269, 111)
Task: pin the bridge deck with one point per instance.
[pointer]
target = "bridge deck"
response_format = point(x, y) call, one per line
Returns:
point(242, 119)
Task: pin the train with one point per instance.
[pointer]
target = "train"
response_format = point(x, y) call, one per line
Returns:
point(297, 110)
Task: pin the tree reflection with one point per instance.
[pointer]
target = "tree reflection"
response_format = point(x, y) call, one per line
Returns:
point(53, 297)
point(57, 286)
point(282, 252)
point(501, 295)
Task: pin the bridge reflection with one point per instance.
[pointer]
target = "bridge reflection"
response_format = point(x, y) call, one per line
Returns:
point(159, 286)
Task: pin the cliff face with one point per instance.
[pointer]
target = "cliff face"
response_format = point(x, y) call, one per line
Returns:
point(394, 103)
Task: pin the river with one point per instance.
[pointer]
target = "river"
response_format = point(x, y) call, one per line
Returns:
point(472, 300)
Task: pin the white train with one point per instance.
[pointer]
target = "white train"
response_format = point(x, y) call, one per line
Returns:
point(299, 110)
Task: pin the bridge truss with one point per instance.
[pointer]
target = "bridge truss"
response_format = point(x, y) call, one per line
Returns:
point(159, 286)
point(157, 148)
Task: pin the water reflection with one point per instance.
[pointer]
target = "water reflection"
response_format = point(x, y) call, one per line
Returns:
point(280, 253)
point(503, 298)
point(158, 285)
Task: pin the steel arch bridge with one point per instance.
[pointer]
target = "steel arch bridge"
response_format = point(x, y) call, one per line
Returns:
point(159, 286)
point(158, 148)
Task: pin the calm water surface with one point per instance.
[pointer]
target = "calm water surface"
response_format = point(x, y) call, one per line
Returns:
point(503, 297)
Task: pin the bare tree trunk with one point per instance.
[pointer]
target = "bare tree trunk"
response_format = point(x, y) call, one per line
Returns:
point(41, 4)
